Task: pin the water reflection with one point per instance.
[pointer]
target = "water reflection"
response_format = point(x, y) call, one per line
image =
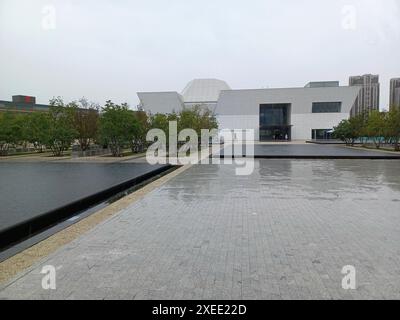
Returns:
point(287, 179)
point(30, 189)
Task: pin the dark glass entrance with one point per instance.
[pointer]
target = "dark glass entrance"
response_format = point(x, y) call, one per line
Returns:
point(275, 122)
point(322, 134)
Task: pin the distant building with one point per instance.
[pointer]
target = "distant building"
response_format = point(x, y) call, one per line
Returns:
point(395, 93)
point(322, 84)
point(369, 96)
point(304, 113)
point(22, 104)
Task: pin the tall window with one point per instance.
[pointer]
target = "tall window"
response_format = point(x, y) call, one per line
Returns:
point(274, 122)
point(274, 115)
point(327, 107)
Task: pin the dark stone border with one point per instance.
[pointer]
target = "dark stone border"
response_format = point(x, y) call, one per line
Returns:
point(316, 157)
point(327, 142)
point(31, 227)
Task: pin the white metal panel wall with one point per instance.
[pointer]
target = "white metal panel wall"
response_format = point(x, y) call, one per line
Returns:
point(303, 124)
point(240, 122)
point(245, 102)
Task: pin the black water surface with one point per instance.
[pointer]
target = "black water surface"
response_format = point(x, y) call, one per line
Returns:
point(31, 189)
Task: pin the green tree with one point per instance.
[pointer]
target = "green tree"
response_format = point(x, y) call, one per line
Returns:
point(375, 127)
point(346, 132)
point(357, 127)
point(61, 132)
point(19, 128)
point(37, 129)
point(197, 118)
point(6, 132)
point(118, 127)
point(393, 125)
point(139, 139)
point(160, 121)
point(85, 121)
point(12, 131)
point(189, 118)
point(208, 120)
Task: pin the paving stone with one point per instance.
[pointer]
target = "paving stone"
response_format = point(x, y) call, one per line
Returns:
point(285, 232)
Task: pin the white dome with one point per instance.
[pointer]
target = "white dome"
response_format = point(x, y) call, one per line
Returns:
point(204, 90)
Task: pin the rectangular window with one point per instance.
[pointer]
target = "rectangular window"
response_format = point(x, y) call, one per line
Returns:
point(321, 134)
point(326, 107)
point(274, 122)
point(274, 114)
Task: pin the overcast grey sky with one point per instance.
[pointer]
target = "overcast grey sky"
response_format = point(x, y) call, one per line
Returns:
point(110, 49)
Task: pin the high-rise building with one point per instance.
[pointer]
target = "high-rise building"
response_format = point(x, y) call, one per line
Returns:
point(368, 98)
point(395, 93)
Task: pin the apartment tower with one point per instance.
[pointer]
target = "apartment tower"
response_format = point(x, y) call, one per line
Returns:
point(369, 95)
point(395, 93)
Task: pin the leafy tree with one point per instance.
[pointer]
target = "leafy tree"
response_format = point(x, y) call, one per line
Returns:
point(346, 132)
point(37, 129)
point(161, 121)
point(375, 127)
point(85, 121)
point(12, 131)
point(360, 123)
point(18, 129)
point(197, 118)
point(357, 127)
point(6, 132)
point(118, 126)
point(208, 120)
point(61, 132)
point(393, 125)
point(138, 143)
point(189, 118)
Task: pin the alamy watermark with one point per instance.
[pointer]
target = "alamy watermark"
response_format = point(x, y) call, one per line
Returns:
point(349, 280)
point(50, 277)
point(213, 147)
point(49, 18)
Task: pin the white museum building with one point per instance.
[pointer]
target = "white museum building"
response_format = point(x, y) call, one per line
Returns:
point(303, 113)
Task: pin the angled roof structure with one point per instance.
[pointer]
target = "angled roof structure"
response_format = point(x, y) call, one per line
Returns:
point(203, 90)
point(161, 102)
